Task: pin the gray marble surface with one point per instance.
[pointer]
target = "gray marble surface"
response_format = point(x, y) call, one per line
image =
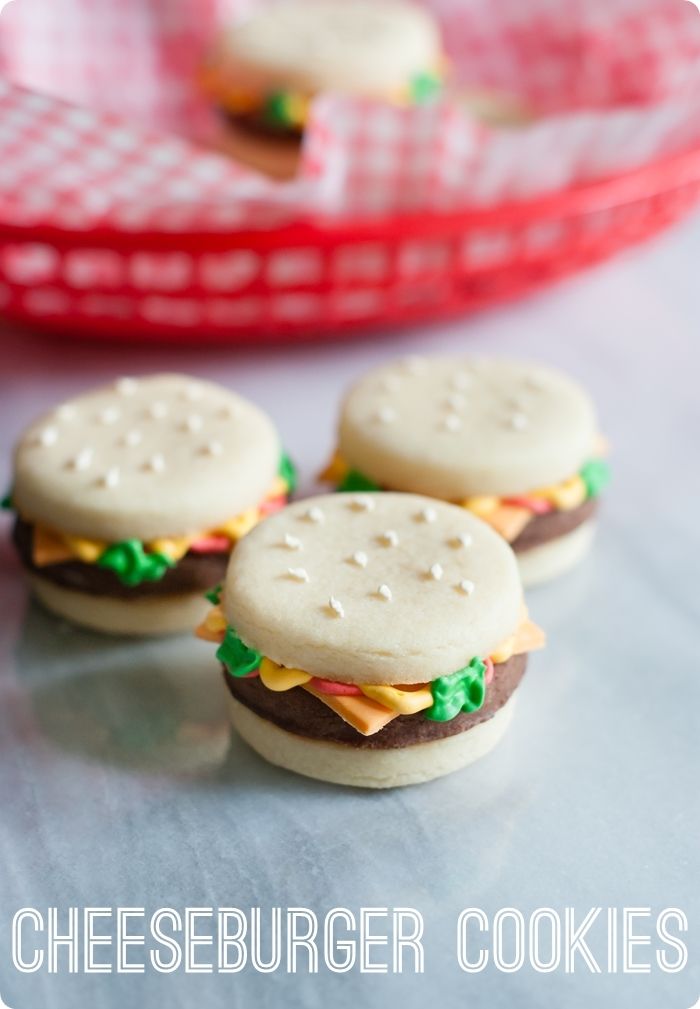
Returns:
point(118, 786)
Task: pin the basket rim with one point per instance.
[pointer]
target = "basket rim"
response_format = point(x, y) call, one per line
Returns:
point(641, 182)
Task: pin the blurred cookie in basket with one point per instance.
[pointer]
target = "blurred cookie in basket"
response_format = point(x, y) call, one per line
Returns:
point(130, 498)
point(263, 72)
point(515, 443)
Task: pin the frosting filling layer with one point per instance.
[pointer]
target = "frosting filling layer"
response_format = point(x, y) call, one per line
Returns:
point(133, 564)
point(195, 572)
point(370, 708)
point(303, 714)
point(525, 520)
point(288, 110)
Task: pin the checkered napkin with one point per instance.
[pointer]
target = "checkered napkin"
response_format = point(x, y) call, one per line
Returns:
point(619, 81)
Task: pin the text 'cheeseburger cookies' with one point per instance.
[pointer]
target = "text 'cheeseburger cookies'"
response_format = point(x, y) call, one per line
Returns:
point(372, 639)
point(517, 444)
point(130, 498)
point(264, 71)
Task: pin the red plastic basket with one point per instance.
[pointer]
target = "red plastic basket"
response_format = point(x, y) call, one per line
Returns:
point(317, 278)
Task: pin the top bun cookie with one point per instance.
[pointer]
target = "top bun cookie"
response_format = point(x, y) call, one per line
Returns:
point(163, 455)
point(373, 588)
point(458, 427)
point(361, 47)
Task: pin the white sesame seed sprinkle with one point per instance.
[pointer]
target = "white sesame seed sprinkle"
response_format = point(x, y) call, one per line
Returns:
point(298, 574)
point(362, 503)
point(462, 540)
point(83, 460)
point(212, 448)
point(359, 558)
point(110, 415)
point(133, 437)
point(427, 514)
point(292, 542)
point(193, 423)
point(390, 538)
point(385, 592)
point(435, 572)
point(48, 437)
point(385, 415)
point(519, 421)
point(193, 392)
point(158, 409)
point(466, 586)
point(452, 422)
point(455, 401)
point(126, 386)
point(336, 606)
point(110, 478)
point(156, 464)
point(314, 514)
point(66, 412)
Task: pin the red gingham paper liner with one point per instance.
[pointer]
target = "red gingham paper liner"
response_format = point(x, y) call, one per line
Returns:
point(619, 81)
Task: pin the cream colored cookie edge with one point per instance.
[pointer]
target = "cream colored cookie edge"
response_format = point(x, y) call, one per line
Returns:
point(176, 614)
point(341, 764)
point(548, 561)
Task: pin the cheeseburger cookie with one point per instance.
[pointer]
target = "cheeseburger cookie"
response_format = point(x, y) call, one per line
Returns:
point(129, 499)
point(515, 443)
point(264, 71)
point(372, 639)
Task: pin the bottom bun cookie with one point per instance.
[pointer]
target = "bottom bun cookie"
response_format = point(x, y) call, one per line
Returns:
point(549, 560)
point(346, 765)
point(174, 614)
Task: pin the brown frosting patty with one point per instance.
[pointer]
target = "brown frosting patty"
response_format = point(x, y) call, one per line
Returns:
point(543, 528)
point(298, 711)
point(193, 573)
point(256, 124)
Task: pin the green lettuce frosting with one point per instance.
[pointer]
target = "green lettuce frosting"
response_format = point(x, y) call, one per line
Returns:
point(288, 472)
point(464, 690)
point(214, 595)
point(356, 481)
point(425, 86)
point(596, 476)
point(132, 565)
point(237, 657)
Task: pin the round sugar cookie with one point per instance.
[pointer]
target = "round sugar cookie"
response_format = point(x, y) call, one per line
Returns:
point(345, 765)
point(362, 47)
point(163, 455)
point(457, 427)
point(373, 588)
point(549, 560)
